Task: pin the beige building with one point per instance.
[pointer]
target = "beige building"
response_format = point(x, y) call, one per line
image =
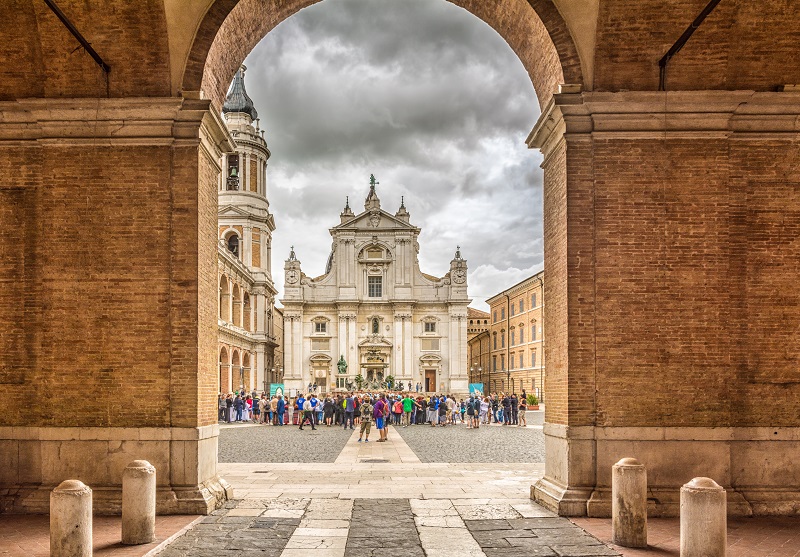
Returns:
point(249, 350)
point(375, 310)
point(516, 338)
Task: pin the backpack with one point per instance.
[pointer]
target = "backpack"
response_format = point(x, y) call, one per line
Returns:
point(398, 407)
point(477, 406)
point(366, 412)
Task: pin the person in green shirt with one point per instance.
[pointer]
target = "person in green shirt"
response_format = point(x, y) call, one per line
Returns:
point(408, 406)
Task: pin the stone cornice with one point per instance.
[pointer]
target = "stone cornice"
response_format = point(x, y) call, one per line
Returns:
point(656, 115)
point(127, 121)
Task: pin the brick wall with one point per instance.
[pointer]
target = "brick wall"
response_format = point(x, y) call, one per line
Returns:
point(95, 276)
point(728, 51)
point(39, 55)
point(696, 247)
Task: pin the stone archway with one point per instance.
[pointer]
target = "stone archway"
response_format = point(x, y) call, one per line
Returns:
point(669, 228)
point(534, 29)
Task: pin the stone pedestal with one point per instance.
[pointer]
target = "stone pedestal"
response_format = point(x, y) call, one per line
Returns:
point(629, 503)
point(139, 503)
point(704, 522)
point(71, 520)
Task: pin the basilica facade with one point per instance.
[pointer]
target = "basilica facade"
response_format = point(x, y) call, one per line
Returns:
point(373, 317)
point(249, 344)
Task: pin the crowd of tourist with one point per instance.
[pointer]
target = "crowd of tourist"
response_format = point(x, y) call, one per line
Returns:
point(357, 408)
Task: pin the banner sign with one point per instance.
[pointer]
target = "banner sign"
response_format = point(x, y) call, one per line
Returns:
point(476, 388)
point(275, 389)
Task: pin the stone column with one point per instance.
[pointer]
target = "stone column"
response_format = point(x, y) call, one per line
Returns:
point(71, 520)
point(629, 503)
point(704, 521)
point(139, 503)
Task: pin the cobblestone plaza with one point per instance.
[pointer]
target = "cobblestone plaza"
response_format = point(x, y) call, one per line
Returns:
point(426, 492)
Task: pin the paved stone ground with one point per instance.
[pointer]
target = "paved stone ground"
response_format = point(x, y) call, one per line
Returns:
point(244, 531)
point(265, 443)
point(495, 443)
point(381, 527)
point(457, 444)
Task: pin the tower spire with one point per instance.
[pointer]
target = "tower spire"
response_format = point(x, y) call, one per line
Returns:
point(238, 99)
point(372, 201)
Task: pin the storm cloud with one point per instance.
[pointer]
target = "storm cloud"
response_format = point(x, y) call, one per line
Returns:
point(428, 98)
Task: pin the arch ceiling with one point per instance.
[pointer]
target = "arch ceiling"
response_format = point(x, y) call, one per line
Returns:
point(534, 29)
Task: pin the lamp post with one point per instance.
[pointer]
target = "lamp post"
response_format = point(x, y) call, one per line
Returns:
point(480, 375)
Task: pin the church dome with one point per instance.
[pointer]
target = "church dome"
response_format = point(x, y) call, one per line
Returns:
point(237, 99)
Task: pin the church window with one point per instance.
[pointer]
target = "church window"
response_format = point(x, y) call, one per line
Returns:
point(430, 344)
point(233, 244)
point(430, 327)
point(320, 327)
point(375, 287)
point(376, 326)
point(374, 253)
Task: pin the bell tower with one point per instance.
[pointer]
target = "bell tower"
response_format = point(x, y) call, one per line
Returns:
point(244, 217)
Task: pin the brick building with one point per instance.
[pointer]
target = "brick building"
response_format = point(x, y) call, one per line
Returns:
point(477, 345)
point(246, 310)
point(516, 338)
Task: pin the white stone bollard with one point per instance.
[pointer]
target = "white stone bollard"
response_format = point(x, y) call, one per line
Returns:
point(704, 521)
point(71, 520)
point(629, 503)
point(139, 503)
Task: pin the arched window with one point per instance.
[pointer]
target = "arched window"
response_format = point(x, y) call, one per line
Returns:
point(233, 244)
point(247, 313)
point(224, 299)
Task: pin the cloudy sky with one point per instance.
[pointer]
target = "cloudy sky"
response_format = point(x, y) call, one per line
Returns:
point(425, 96)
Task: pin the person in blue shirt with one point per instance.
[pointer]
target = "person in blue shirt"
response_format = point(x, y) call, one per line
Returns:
point(281, 410)
point(238, 405)
point(314, 403)
point(349, 410)
point(298, 407)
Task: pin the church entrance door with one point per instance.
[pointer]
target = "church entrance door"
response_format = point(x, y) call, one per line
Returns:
point(430, 380)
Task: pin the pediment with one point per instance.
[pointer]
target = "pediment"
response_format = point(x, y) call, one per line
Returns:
point(375, 341)
point(232, 210)
point(375, 220)
point(323, 358)
point(430, 358)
